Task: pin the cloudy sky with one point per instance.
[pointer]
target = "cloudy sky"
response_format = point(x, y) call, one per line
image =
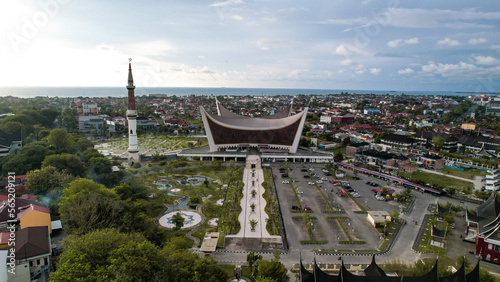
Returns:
point(324, 44)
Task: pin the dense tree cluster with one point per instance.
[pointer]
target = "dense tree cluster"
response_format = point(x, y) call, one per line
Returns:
point(108, 255)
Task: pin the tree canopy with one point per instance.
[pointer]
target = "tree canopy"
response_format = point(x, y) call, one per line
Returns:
point(108, 255)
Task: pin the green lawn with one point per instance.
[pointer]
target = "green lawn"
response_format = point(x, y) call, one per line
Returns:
point(468, 174)
point(424, 243)
point(338, 150)
point(436, 180)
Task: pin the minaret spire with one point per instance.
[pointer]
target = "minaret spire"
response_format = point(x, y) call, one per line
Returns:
point(133, 148)
point(130, 87)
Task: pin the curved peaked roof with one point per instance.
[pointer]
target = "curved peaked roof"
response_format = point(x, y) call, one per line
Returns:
point(374, 273)
point(228, 130)
point(223, 112)
point(229, 121)
point(490, 208)
point(438, 232)
point(374, 270)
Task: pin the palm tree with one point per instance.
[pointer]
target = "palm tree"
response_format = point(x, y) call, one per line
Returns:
point(252, 206)
point(253, 192)
point(253, 223)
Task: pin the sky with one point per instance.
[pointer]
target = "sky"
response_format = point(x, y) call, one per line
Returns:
point(324, 44)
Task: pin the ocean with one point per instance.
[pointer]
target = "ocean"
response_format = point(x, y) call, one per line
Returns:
point(30, 92)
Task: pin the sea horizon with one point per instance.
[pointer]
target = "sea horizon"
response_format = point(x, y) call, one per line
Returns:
point(111, 91)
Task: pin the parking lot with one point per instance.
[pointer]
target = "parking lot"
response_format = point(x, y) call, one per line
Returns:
point(315, 191)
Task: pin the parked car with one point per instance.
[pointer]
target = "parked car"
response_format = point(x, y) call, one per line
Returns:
point(324, 178)
point(285, 182)
point(307, 208)
point(295, 208)
point(355, 195)
point(306, 176)
point(310, 183)
point(319, 181)
point(284, 175)
point(303, 170)
point(333, 181)
point(374, 190)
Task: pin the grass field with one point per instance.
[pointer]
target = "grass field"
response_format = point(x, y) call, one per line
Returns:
point(437, 181)
point(468, 174)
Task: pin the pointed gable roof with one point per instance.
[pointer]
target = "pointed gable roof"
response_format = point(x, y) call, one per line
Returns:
point(33, 208)
point(374, 270)
point(32, 241)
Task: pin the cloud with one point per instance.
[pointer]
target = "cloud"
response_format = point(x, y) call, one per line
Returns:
point(394, 43)
point(228, 3)
point(401, 42)
point(347, 62)
point(411, 41)
point(406, 71)
point(477, 41)
point(360, 71)
point(341, 50)
point(421, 18)
point(375, 71)
point(449, 69)
point(448, 42)
point(352, 21)
point(237, 17)
point(486, 61)
point(453, 19)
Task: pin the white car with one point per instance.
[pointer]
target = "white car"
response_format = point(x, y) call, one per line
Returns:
point(319, 181)
point(356, 195)
point(285, 182)
point(310, 183)
point(324, 178)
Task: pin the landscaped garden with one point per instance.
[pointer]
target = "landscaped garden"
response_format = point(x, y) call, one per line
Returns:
point(149, 145)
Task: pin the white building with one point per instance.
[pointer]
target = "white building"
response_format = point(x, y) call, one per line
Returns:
point(493, 180)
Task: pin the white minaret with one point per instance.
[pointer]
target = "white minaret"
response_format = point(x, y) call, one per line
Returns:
point(133, 148)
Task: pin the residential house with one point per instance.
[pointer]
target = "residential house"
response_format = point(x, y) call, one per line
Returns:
point(430, 161)
point(34, 215)
point(355, 148)
point(32, 253)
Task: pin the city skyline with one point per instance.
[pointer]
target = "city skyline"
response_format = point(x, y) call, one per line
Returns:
point(235, 43)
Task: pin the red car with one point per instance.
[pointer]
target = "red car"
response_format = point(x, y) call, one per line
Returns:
point(333, 181)
point(307, 208)
point(374, 190)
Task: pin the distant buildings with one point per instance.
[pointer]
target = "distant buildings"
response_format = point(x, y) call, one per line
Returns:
point(88, 109)
point(10, 144)
point(493, 107)
point(396, 142)
point(371, 111)
point(384, 160)
point(91, 123)
point(344, 117)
